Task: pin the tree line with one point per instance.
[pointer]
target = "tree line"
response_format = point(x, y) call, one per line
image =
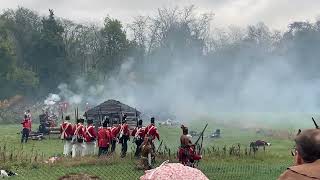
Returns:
point(37, 53)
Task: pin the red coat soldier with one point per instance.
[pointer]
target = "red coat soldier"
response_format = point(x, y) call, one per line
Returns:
point(152, 131)
point(90, 138)
point(66, 131)
point(90, 135)
point(79, 134)
point(124, 136)
point(138, 133)
point(104, 138)
point(26, 128)
point(115, 131)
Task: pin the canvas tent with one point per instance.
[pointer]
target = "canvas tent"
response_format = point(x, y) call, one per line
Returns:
point(115, 111)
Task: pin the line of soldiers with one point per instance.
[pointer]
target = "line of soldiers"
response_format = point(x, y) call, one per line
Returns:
point(81, 140)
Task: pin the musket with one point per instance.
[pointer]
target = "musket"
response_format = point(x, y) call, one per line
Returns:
point(299, 131)
point(137, 119)
point(77, 113)
point(159, 146)
point(315, 124)
point(100, 115)
point(201, 134)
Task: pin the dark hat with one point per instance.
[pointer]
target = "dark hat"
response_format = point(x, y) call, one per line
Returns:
point(105, 124)
point(90, 121)
point(124, 117)
point(107, 120)
point(67, 118)
point(81, 120)
point(152, 120)
point(140, 122)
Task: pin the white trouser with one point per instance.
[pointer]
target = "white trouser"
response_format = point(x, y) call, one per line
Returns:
point(90, 148)
point(67, 148)
point(77, 149)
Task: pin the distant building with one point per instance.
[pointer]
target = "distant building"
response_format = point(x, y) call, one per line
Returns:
point(115, 110)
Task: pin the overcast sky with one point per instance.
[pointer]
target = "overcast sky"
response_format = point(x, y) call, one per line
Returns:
point(275, 13)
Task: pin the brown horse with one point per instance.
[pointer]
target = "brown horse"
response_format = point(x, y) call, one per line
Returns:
point(147, 154)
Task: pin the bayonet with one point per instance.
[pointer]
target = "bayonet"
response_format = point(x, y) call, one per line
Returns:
point(315, 123)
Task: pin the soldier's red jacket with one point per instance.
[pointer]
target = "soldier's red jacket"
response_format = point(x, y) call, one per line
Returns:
point(151, 130)
point(115, 131)
point(125, 129)
point(104, 137)
point(79, 131)
point(138, 132)
point(26, 123)
point(66, 130)
point(110, 131)
point(90, 134)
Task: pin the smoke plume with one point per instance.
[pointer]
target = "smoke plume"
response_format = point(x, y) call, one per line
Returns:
point(191, 74)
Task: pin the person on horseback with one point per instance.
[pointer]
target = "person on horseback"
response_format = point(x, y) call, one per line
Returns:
point(187, 152)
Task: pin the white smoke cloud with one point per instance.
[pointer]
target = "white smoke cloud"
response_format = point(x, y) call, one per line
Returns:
point(52, 99)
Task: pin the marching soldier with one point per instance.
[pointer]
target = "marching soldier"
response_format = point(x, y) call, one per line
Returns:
point(187, 152)
point(124, 136)
point(152, 133)
point(138, 133)
point(90, 138)
point(104, 138)
point(79, 133)
point(26, 128)
point(115, 131)
point(66, 131)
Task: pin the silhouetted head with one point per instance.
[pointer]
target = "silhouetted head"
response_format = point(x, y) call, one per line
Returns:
point(185, 130)
point(90, 121)
point(107, 120)
point(81, 120)
point(67, 118)
point(307, 146)
point(105, 124)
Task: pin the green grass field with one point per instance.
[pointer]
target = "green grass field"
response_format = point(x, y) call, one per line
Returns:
point(216, 164)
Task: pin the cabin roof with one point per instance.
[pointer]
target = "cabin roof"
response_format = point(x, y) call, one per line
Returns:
point(109, 107)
